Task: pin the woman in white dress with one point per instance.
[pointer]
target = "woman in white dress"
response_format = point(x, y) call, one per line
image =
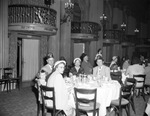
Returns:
point(56, 80)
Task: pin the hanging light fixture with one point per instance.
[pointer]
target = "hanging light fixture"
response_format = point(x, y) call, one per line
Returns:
point(69, 6)
point(123, 26)
point(136, 30)
point(103, 18)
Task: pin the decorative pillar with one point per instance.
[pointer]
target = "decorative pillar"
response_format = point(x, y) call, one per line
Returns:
point(95, 11)
point(4, 48)
point(85, 8)
point(54, 41)
point(13, 52)
point(65, 40)
point(43, 49)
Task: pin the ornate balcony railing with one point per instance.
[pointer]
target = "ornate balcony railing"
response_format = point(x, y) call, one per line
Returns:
point(85, 27)
point(114, 35)
point(85, 30)
point(129, 40)
point(146, 41)
point(32, 17)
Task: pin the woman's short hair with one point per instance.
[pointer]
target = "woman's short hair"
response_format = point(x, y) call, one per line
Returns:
point(82, 56)
point(99, 58)
point(50, 54)
point(99, 50)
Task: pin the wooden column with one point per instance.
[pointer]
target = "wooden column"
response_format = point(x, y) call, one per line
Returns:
point(4, 48)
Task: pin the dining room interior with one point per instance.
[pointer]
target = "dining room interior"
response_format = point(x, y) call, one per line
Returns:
point(32, 29)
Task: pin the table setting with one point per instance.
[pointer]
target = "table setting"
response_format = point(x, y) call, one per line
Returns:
point(107, 90)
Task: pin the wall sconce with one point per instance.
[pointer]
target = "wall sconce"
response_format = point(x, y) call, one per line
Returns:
point(68, 12)
point(136, 30)
point(103, 19)
point(123, 26)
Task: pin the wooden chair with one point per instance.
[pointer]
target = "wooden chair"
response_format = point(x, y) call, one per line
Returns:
point(9, 75)
point(123, 102)
point(116, 76)
point(38, 97)
point(3, 81)
point(45, 108)
point(131, 81)
point(147, 88)
point(84, 104)
point(140, 81)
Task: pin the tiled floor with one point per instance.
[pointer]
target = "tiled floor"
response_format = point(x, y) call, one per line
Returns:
point(23, 103)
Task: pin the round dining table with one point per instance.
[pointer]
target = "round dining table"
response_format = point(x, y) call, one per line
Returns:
point(106, 92)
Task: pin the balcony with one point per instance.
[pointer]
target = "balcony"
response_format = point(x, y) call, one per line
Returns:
point(32, 19)
point(112, 36)
point(85, 30)
point(129, 40)
point(143, 43)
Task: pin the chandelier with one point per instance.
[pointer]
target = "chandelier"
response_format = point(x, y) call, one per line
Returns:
point(69, 6)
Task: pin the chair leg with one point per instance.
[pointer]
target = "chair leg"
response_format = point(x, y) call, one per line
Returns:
point(38, 109)
point(9, 83)
point(5, 85)
point(97, 112)
point(132, 104)
point(18, 84)
point(44, 113)
point(143, 94)
point(120, 112)
point(128, 107)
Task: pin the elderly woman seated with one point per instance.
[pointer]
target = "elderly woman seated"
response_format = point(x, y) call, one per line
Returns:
point(56, 80)
point(101, 70)
point(77, 69)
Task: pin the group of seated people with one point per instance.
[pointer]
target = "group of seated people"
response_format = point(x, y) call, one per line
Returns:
point(52, 75)
point(55, 72)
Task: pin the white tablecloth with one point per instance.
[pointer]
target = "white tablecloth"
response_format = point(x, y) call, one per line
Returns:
point(107, 92)
point(124, 77)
